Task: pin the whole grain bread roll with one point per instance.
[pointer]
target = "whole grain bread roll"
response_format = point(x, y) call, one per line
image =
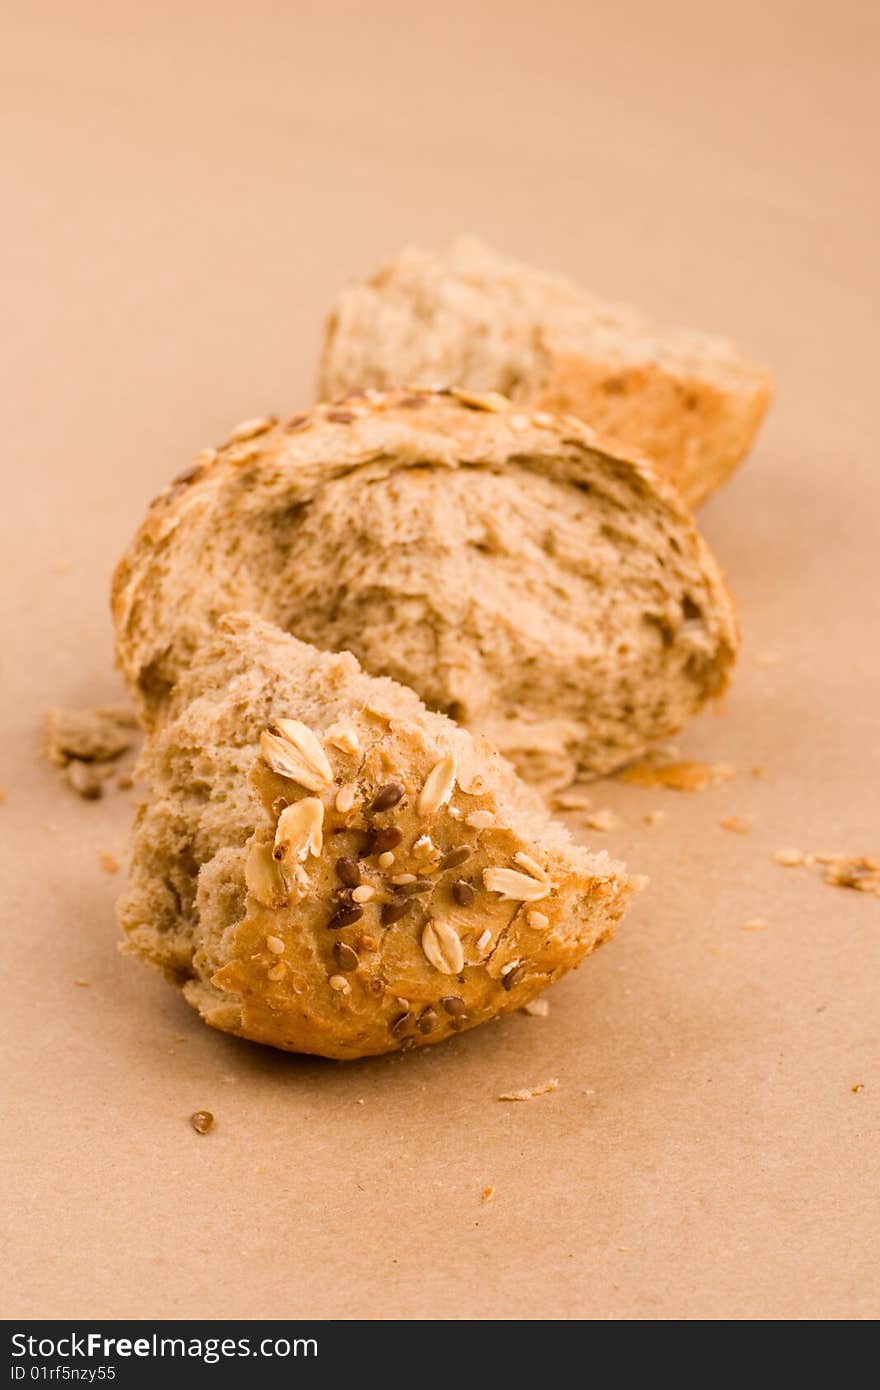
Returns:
point(534, 583)
point(470, 317)
point(325, 866)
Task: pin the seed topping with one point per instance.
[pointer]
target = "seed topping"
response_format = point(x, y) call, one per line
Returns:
point(438, 788)
point(292, 750)
point(442, 946)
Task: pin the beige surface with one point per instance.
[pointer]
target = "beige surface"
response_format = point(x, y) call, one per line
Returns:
point(184, 193)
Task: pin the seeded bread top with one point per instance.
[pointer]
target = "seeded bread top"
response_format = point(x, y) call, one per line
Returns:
point(326, 866)
point(516, 570)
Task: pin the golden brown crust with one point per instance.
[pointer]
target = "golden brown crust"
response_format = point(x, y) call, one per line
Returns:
point(363, 879)
point(695, 431)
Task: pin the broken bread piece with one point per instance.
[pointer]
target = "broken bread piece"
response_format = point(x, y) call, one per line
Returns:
point(326, 866)
point(521, 575)
point(470, 317)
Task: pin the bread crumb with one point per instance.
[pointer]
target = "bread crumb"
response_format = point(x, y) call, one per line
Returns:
point(677, 776)
point(202, 1121)
point(859, 1086)
point(788, 858)
point(856, 871)
point(125, 781)
point(572, 798)
point(602, 820)
point(754, 924)
point(83, 984)
point(537, 1008)
point(530, 1092)
point(653, 817)
point(109, 863)
point(91, 735)
point(487, 1194)
point(738, 824)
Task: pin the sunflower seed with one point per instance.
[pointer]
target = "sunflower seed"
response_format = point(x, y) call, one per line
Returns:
point(249, 429)
point(292, 750)
point(438, 788)
point(455, 857)
point(514, 885)
point(442, 946)
point(300, 830)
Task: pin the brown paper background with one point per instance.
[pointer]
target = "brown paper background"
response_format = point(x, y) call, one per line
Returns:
point(186, 185)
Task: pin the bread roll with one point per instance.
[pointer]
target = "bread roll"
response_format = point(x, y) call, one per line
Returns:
point(325, 866)
point(472, 318)
point(521, 575)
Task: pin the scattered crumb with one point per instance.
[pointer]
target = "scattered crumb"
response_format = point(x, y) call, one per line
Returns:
point(754, 924)
point(109, 863)
point(678, 776)
point(573, 798)
point(853, 871)
point(83, 984)
point(859, 1086)
point(738, 824)
point(361, 1101)
point(537, 1008)
point(757, 772)
point(84, 780)
point(530, 1092)
point(602, 820)
point(487, 1194)
point(202, 1121)
point(767, 659)
point(125, 781)
point(789, 858)
point(858, 871)
point(91, 735)
point(653, 817)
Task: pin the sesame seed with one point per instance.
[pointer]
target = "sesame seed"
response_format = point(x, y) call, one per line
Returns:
point(363, 893)
point(297, 422)
point(403, 878)
point(463, 893)
point(348, 872)
point(275, 945)
point(483, 940)
point(387, 797)
point(202, 1121)
point(537, 919)
point(340, 417)
point(392, 912)
point(345, 917)
point(480, 820)
point(340, 984)
point(277, 972)
point(416, 886)
point(345, 798)
point(386, 859)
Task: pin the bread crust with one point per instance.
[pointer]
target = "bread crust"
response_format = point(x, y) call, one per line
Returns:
point(413, 889)
point(469, 317)
point(165, 594)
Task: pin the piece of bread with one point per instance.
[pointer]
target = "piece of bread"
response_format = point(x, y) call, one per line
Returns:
point(522, 576)
point(472, 318)
point(324, 865)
